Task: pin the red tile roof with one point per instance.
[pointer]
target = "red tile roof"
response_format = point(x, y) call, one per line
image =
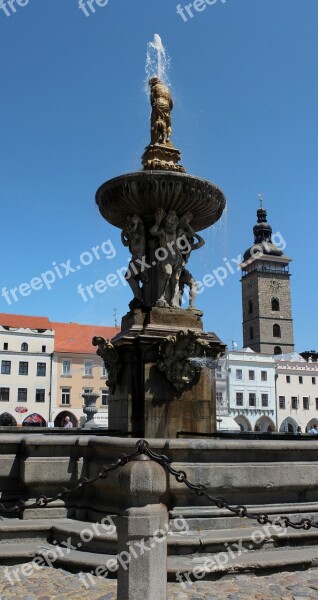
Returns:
point(76, 338)
point(25, 322)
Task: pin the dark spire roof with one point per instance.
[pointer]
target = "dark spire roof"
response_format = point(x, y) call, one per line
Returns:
point(263, 237)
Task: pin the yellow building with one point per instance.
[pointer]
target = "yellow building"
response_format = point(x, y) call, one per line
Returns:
point(77, 369)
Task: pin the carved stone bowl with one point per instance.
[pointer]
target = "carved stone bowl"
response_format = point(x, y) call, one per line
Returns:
point(144, 192)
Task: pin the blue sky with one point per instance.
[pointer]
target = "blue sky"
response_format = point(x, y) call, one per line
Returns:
point(74, 114)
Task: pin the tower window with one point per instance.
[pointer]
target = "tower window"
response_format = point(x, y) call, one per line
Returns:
point(275, 304)
point(277, 350)
point(251, 333)
point(250, 307)
point(276, 331)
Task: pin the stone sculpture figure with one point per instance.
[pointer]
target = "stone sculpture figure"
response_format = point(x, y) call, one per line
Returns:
point(108, 353)
point(162, 105)
point(133, 236)
point(169, 268)
point(186, 278)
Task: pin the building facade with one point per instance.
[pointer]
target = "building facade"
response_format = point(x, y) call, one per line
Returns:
point(45, 368)
point(26, 357)
point(77, 370)
point(266, 297)
point(251, 390)
point(297, 393)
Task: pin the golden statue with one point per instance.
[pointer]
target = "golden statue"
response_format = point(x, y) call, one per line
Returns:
point(162, 105)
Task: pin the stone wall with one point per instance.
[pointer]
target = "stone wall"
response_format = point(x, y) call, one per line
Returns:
point(243, 471)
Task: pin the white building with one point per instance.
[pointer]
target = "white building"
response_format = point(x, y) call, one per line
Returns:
point(26, 353)
point(251, 389)
point(297, 392)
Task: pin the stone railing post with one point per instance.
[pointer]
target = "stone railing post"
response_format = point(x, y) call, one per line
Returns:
point(142, 532)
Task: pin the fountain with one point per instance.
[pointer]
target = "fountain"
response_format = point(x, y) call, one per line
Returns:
point(158, 385)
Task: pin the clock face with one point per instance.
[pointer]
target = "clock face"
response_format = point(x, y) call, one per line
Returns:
point(274, 285)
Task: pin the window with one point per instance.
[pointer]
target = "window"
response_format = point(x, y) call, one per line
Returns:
point(24, 347)
point(294, 402)
point(251, 375)
point(282, 402)
point(252, 399)
point(5, 346)
point(5, 367)
point(239, 398)
point(4, 394)
point(313, 380)
point(88, 367)
point(66, 396)
point(22, 394)
point(316, 403)
point(300, 379)
point(43, 348)
point(277, 350)
point(40, 396)
point(251, 333)
point(105, 395)
point(239, 374)
point(41, 369)
point(306, 403)
point(250, 307)
point(276, 331)
point(219, 397)
point(264, 400)
point(287, 378)
point(104, 372)
point(23, 368)
point(275, 304)
point(264, 375)
point(66, 367)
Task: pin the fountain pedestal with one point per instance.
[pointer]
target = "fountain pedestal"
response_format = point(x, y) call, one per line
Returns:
point(156, 394)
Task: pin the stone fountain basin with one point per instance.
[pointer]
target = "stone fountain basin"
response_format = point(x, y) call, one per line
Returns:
point(144, 192)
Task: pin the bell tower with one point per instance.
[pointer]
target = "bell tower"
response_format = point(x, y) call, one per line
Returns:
point(266, 297)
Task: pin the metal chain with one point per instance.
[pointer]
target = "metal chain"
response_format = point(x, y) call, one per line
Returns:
point(142, 447)
point(42, 501)
point(240, 510)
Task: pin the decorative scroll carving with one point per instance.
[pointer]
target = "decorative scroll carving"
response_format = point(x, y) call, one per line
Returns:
point(178, 356)
point(133, 236)
point(108, 353)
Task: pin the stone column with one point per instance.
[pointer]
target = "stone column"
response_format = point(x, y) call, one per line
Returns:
point(142, 532)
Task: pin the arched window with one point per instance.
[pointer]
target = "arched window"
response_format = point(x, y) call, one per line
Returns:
point(276, 331)
point(277, 350)
point(250, 307)
point(251, 333)
point(275, 304)
point(24, 347)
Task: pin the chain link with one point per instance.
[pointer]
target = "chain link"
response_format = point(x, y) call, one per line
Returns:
point(142, 447)
point(240, 510)
point(42, 501)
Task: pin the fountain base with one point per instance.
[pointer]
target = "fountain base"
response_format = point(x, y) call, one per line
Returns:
point(153, 401)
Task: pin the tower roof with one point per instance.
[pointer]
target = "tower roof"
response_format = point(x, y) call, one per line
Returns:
point(263, 238)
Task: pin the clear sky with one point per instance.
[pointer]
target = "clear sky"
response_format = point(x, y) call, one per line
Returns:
point(74, 114)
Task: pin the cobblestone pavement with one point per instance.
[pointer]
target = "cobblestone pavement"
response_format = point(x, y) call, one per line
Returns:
point(50, 584)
